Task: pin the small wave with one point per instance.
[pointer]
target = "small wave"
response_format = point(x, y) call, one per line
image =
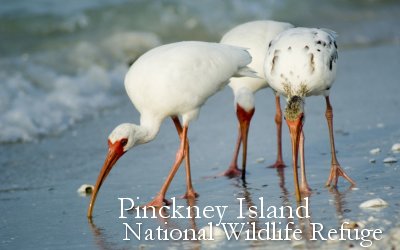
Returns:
point(53, 90)
point(63, 62)
point(29, 111)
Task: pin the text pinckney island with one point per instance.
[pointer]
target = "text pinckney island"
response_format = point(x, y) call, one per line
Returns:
point(252, 222)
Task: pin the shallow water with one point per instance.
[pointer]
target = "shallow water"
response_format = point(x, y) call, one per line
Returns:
point(62, 93)
point(40, 208)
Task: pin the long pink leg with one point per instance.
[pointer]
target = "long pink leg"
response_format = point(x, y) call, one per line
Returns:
point(190, 193)
point(278, 121)
point(336, 170)
point(233, 169)
point(159, 200)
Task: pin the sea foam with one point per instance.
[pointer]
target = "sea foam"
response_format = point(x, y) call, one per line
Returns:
point(47, 92)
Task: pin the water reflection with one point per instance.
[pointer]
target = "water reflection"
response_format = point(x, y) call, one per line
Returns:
point(99, 237)
point(339, 202)
point(259, 223)
point(304, 217)
point(161, 220)
point(257, 226)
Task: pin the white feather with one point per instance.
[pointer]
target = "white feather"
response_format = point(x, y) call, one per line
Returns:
point(302, 56)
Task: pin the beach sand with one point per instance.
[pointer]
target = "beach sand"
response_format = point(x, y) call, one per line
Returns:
point(40, 208)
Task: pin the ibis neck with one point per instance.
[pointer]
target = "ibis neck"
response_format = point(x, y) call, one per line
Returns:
point(148, 129)
point(244, 98)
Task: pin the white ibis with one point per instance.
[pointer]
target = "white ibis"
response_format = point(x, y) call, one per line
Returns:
point(255, 36)
point(301, 62)
point(170, 81)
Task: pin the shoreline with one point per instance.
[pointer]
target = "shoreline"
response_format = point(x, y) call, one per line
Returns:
point(38, 180)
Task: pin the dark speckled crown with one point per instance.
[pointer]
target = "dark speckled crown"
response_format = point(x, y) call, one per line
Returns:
point(294, 108)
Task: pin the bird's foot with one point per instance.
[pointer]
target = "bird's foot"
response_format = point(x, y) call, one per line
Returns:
point(278, 164)
point(232, 171)
point(333, 178)
point(190, 194)
point(157, 202)
point(305, 189)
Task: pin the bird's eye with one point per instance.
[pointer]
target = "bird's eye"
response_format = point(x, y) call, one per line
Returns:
point(124, 142)
point(302, 118)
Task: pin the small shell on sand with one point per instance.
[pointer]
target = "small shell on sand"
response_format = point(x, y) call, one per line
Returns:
point(374, 203)
point(375, 151)
point(353, 224)
point(335, 239)
point(389, 160)
point(396, 148)
point(350, 225)
point(298, 244)
point(260, 160)
point(85, 189)
point(217, 233)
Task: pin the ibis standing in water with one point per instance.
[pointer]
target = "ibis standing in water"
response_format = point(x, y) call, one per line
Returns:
point(172, 80)
point(301, 62)
point(255, 36)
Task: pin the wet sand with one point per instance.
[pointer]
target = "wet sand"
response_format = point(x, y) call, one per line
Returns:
point(40, 208)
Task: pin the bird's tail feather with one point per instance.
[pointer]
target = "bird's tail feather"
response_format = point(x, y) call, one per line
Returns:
point(246, 71)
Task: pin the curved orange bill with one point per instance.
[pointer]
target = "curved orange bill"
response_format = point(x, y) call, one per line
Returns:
point(244, 127)
point(114, 153)
point(244, 118)
point(295, 128)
